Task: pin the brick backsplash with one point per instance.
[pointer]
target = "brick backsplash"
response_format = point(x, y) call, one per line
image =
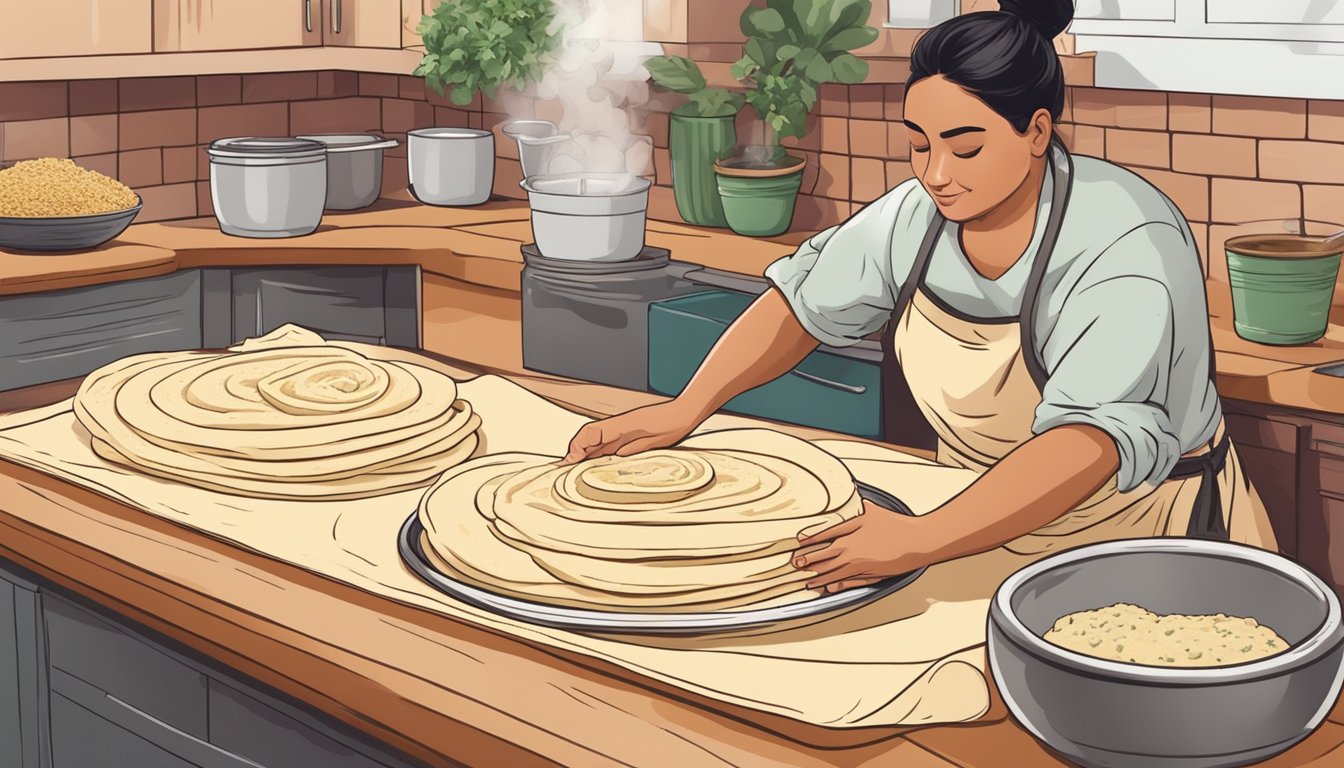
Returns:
point(151, 133)
point(1224, 160)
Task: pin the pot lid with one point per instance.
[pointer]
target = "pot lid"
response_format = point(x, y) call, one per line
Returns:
point(266, 146)
point(587, 184)
point(350, 142)
point(342, 139)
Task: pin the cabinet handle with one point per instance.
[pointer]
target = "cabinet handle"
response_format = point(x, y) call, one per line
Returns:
point(336, 18)
point(308, 15)
point(853, 389)
point(203, 744)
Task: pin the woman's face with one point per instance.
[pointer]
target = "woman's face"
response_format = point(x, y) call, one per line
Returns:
point(968, 157)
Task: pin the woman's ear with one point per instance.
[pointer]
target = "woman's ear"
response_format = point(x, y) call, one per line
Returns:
point(1039, 131)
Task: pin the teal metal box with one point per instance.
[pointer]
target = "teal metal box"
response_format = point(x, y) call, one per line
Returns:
point(826, 390)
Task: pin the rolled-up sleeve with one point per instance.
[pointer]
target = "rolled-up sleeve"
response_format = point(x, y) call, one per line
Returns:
point(1111, 354)
point(839, 283)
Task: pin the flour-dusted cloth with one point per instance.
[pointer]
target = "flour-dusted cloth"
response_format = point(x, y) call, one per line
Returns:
point(913, 658)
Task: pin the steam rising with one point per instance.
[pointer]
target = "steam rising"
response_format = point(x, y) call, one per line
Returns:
point(598, 76)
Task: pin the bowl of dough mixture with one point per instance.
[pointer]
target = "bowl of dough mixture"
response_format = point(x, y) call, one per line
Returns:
point(51, 204)
point(1166, 651)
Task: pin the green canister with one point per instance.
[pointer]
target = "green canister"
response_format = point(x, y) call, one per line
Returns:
point(1282, 287)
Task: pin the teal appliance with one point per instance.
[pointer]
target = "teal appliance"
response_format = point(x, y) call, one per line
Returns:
point(832, 388)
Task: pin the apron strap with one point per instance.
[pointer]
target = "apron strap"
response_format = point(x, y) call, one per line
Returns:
point(1206, 518)
point(1062, 168)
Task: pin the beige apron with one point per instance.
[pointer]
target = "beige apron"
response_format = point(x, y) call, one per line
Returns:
point(971, 381)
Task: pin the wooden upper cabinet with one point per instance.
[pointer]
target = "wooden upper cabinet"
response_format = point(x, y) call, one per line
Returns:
point(39, 28)
point(212, 25)
point(363, 23)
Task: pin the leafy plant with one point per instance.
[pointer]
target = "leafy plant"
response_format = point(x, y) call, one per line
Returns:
point(795, 46)
point(681, 75)
point(481, 45)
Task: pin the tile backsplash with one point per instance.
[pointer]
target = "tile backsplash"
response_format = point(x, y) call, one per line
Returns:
point(1224, 160)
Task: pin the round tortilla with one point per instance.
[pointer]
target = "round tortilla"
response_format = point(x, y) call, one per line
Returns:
point(504, 522)
point(304, 422)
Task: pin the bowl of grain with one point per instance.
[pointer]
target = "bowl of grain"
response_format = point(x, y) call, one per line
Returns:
point(51, 204)
point(1170, 652)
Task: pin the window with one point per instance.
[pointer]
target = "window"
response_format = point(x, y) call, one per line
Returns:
point(920, 14)
point(1254, 47)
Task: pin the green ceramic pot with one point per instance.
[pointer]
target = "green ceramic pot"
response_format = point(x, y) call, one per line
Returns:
point(696, 143)
point(1282, 288)
point(759, 202)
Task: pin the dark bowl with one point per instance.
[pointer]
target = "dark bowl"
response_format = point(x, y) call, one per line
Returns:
point(1108, 714)
point(50, 234)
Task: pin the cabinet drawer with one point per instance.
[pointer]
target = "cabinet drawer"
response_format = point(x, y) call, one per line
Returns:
point(246, 726)
point(826, 390)
point(81, 739)
point(64, 334)
point(124, 666)
point(93, 728)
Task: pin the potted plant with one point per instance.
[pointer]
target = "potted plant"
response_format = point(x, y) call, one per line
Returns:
point(700, 132)
point(792, 48)
point(474, 46)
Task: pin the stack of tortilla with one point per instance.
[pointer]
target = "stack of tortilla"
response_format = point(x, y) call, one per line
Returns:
point(708, 525)
point(305, 420)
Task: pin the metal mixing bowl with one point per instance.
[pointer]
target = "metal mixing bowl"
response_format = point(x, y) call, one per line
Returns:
point(1107, 713)
point(64, 233)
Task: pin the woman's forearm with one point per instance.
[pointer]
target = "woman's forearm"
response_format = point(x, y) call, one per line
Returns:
point(1044, 478)
point(764, 343)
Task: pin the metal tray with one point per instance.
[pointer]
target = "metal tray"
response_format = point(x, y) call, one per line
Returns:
point(585, 620)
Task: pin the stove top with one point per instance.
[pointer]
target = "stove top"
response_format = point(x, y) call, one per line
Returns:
point(649, 258)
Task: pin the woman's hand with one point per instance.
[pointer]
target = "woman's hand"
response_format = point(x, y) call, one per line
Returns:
point(875, 545)
point(642, 429)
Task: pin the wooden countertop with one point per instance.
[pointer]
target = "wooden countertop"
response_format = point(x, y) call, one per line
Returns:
point(479, 246)
point(441, 690)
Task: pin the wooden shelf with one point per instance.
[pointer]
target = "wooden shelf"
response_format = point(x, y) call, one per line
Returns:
point(400, 61)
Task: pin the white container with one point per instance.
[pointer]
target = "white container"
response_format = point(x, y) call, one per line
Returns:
point(451, 166)
point(268, 187)
point(536, 143)
point(589, 216)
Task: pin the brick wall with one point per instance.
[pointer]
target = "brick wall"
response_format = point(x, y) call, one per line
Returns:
point(1224, 160)
point(151, 133)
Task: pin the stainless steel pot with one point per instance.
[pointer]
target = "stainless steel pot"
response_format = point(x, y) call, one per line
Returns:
point(588, 216)
point(451, 166)
point(354, 168)
point(1107, 713)
point(268, 187)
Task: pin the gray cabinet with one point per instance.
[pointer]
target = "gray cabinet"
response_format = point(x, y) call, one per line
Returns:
point(93, 727)
point(80, 686)
point(98, 653)
point(24, 738)
point(69, 333)
point(64, 334)
point(249, 726)
point(84, 739)
point(375, 305)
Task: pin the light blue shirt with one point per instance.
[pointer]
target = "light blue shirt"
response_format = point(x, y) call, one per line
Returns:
point(1122, 323)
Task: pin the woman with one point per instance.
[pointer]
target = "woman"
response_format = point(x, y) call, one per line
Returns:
point(1047, 312)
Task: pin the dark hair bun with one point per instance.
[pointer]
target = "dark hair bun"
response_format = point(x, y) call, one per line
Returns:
point(1050, 17)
